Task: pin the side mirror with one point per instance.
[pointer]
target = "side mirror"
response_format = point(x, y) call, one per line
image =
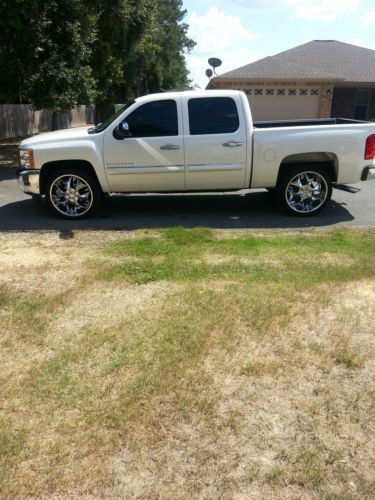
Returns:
point(122, 131)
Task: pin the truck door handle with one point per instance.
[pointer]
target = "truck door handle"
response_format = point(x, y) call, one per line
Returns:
point(170, 146)
point(232, 144)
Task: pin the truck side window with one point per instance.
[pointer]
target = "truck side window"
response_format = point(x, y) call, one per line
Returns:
point(154, 119)
point(212, 115)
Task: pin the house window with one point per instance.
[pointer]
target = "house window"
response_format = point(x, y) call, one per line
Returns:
point(269, 91)
point(248, 91)
point(303, 92)
point(280, 91)
point(314, 92)
point(258, 91)
point(361, 104)
point(292, 92)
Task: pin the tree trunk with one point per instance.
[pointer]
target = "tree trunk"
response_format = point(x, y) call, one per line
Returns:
point(54, 120)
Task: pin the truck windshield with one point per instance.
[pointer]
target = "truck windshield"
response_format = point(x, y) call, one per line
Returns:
point(102, 126)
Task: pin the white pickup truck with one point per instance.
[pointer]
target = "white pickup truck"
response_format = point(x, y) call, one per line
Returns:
point(196, 141)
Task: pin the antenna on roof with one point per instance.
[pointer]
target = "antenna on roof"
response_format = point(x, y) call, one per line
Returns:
point(214, 62)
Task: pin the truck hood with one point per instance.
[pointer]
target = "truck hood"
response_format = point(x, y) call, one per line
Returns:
point(70, 134)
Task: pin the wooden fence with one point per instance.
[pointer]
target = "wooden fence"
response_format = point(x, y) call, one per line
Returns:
point(21, 120)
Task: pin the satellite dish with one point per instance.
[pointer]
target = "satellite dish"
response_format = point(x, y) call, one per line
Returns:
point(209, 73)
point(215, 62)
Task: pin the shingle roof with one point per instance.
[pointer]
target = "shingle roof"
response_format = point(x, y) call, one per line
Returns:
point(316, 60)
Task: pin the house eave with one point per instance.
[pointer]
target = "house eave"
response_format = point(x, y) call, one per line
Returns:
point(274, 79)
point(347, 83)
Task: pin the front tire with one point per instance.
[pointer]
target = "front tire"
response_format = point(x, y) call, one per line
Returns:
point(304, 190)
point(72, 193)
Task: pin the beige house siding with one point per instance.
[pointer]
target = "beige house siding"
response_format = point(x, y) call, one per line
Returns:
point(284, 100)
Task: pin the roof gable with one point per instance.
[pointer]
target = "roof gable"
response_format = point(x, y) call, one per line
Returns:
point(316, 60)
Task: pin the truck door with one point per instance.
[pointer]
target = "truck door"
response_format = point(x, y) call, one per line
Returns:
point(151, 158)
point(215, 143)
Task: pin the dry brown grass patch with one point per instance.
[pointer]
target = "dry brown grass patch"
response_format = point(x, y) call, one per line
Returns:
point(218, 384)
point(289, 420)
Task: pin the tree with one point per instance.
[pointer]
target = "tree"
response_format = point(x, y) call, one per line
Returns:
point(18, 42)
point(169, 69)
point(45, 53)
point(62, 75)
point(59, 53)
point(120, 24)
point(158, 61)
point(139, 49)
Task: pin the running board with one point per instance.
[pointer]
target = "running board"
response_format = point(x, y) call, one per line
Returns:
point(348, 189)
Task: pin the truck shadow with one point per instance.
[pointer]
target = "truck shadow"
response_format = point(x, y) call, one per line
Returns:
point(247, 210)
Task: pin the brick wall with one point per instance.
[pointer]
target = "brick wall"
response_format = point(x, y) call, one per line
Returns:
point(326, 97)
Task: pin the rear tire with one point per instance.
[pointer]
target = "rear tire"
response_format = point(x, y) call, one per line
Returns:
point(72, 193)
point(304, 190)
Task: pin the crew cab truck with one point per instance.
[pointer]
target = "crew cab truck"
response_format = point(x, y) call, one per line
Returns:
point(196, 141)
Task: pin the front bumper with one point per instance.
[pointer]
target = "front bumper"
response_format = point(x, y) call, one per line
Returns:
point(28, 180)
point(368, 174)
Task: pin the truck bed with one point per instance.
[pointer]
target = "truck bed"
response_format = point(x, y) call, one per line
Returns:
point(306, 123)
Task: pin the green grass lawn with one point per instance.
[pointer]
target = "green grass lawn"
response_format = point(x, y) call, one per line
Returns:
point(188, 364)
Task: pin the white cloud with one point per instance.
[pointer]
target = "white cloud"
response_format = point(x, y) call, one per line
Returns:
point(368, 19)
point(260, 4)
point(218, 35)
point(322, 10)
point(217, 31)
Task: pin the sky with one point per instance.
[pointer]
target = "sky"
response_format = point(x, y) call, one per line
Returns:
point(243, 31)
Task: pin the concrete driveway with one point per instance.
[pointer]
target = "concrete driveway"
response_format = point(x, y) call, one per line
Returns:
point(244, 210)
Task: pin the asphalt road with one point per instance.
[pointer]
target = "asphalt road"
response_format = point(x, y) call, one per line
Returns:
point(243, 210)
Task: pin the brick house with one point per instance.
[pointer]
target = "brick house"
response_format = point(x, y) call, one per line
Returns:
point(319, 79)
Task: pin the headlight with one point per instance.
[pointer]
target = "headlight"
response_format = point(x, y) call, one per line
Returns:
point(27, 158)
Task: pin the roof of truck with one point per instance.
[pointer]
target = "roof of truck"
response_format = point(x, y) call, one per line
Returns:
point(188, 94)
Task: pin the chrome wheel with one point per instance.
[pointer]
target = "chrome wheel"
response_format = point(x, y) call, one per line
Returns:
point(71, 195)
point(306, 192)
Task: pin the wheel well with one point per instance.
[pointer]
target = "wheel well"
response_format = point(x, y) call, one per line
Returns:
point(328, 166)
point(54, 166)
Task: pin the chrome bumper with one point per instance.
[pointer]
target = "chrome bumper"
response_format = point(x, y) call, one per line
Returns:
point(368, 174)
point(28, 180)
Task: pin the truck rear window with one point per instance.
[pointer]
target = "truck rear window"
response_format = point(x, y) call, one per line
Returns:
point(212, 115)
